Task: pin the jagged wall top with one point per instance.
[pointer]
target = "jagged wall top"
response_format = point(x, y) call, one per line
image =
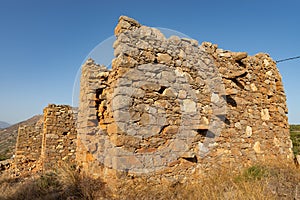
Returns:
point(126, 23)
point(253, 126)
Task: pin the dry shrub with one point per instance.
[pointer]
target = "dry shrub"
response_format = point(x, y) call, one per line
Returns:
point(77, 185)
point(65, 183)
point(141, 188)
point(44, 187)
point(256, 182)
point(284, 181)
point(7, 185)
point(228, 185)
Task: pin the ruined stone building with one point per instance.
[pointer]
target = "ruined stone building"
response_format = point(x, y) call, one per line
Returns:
point(45, 145)
point(168, 107)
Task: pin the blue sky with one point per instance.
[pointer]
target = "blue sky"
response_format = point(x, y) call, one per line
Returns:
point(43, 43)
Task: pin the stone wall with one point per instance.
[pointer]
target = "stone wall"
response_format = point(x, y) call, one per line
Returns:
point(59, 136)
point(169, 108)
point(93, 77)
point(28, 147)
point(173, 108)
point(49, 142)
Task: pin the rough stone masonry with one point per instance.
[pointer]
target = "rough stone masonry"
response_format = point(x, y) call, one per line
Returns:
point(172, 108)
point(48, 143)
point(169, 108)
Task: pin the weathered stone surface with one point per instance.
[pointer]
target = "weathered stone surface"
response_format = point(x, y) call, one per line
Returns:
point(298, 159)
point(28, 147)
point(59, 136)
point(230, 91)
point(125, 23)
point(239, 56)
point(169, 93)
point(265, 114)
point(235, 74)
point(238, 125)
point(182, 94)
point(50, 141)
point(253, 87)
point(163, 58)
point(189, 106)
point(248, 131)
point(257, 147)
point(151, 87)
point(201, 100)
point(172, 108)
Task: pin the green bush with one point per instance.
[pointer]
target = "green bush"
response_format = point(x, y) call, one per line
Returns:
point(294, 127)
point(295, 137)
point(3, 157)
point(253, 173)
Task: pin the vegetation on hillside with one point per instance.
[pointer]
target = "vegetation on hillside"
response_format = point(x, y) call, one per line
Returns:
point(295, 137)
point(8, 137)
point(294, 127)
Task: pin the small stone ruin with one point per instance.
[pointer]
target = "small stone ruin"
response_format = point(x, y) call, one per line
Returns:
point(169, 108)
point(172, 107)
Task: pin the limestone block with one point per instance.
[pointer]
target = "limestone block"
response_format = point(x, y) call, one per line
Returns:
point(163, 58)
point(189, 106)
point(248, 131)
point(257, 147)
point(265, 114)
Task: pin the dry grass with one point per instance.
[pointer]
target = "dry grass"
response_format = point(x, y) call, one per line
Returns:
point(77, 185)
point(42, 187)
point(65, 183)
point(253, 183)
point(256, 182)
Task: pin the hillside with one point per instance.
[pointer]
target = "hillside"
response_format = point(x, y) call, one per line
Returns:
point(4, 125)
point(8, 137)
point(295, 136)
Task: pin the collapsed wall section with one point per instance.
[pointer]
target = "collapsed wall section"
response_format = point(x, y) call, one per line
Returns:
point(92, 83)
point(257, 128)
point(28, 147)
point(59, 136)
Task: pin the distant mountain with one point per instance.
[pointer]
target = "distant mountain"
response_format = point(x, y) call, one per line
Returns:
point(4, 124)
point(8, 136)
